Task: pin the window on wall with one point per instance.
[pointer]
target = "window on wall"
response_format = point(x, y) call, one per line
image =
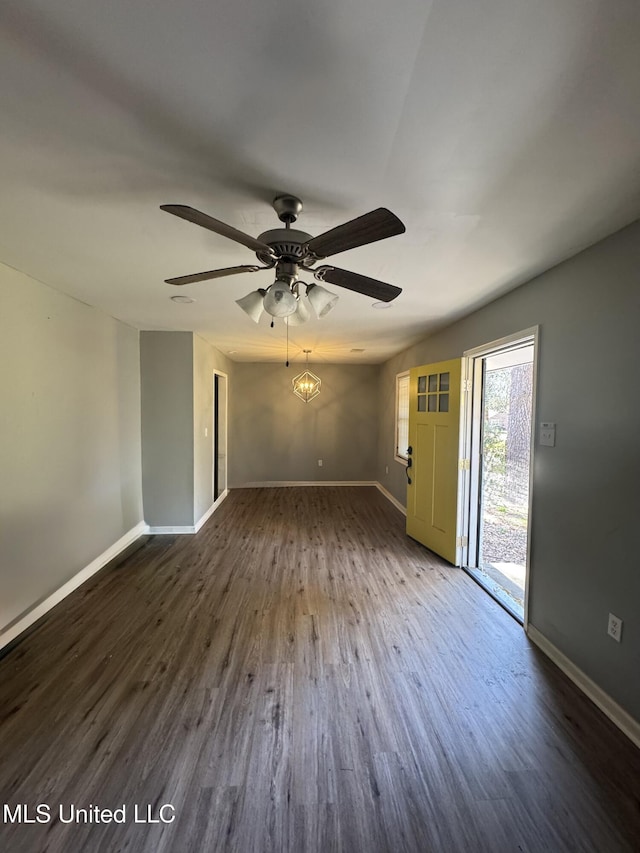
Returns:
point(402, 416)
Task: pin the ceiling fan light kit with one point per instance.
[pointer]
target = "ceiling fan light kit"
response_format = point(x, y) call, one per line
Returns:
point(292, 253)
point(301, 314)
point(288, 302)
point(280, 301)
point(321, 299)
point(252, 304)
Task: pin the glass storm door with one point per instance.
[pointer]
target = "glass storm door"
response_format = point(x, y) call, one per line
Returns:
point(501, 462)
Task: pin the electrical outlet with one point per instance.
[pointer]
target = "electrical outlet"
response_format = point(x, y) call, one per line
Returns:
point(548, 434)
point(386, 469)
point(615, 627)
point(319, 463)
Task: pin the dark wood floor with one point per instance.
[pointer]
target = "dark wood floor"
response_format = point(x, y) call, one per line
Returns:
point(300, 676)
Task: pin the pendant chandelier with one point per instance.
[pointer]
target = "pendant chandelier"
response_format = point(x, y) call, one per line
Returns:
point(306, 385)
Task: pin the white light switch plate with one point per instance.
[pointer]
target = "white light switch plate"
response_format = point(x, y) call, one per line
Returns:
point(548, 434)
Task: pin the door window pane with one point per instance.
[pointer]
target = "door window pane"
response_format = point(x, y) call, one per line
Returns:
point(433, 392)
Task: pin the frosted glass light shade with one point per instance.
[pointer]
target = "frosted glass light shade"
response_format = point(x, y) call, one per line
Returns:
point(280, 301)
point(301, 314)
point(321, 299)
point(252, 304)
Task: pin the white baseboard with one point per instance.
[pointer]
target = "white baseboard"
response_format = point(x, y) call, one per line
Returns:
point(624, 721)
point(189, 528)
point(275, 484)
point(391, 498)
point(17, 626)
point(214, 506)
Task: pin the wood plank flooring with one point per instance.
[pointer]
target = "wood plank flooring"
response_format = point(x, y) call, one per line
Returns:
point(301, 676)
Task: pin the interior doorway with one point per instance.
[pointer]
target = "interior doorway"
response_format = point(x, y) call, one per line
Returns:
point(219, 434)
point(500, 438)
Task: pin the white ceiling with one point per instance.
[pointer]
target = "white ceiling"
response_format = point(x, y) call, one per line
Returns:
point(504, 133)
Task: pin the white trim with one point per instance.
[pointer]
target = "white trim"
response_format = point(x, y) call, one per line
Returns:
point(189, 528)
point(225, 491)
point(624, 721)
point(468, 512)
point(214, 506)
point(15, 628)
point(532, 449)
point(274, 484)
point(503, 343)
point(391, 498)
point(467, 476)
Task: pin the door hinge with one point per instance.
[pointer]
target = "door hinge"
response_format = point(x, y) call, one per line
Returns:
point(462, 541)
point(466, 385)
point(464, 465)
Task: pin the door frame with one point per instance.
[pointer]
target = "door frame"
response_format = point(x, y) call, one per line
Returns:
point(471, 428)
point(214, 437)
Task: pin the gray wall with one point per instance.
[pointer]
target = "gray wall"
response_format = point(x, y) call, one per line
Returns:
point(177, 405)
point(275, 436)
point(166, 370)
point(586, 493)
point(69, 439)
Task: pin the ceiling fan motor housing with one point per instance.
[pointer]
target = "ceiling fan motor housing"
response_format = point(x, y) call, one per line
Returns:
point(287, 244)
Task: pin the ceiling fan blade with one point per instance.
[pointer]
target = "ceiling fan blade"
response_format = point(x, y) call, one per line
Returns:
point(376, 225)
point(203, 276)
point(202, 219)
point(379, 290)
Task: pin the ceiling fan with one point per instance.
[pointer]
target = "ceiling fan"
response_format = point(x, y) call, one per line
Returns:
point(293, 253)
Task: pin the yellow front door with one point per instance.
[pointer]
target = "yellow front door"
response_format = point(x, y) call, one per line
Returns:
point(434, 438)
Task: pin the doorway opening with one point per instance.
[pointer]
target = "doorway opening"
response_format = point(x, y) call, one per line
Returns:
point(219, 434)
point(501, 429)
